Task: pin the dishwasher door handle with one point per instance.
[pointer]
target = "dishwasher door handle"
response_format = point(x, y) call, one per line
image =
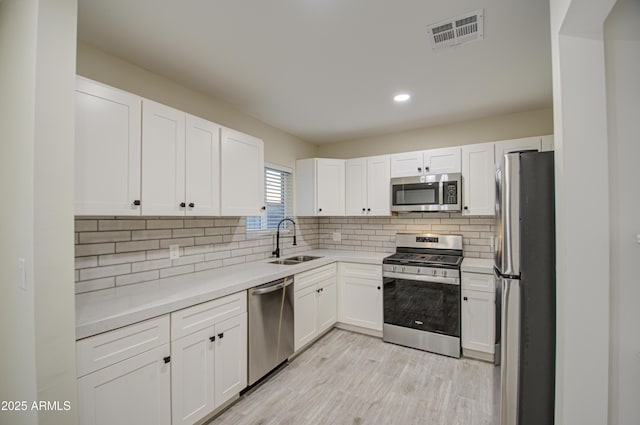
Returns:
point(272, 288)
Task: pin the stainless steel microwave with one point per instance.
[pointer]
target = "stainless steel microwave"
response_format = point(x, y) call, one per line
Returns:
point(436, 192)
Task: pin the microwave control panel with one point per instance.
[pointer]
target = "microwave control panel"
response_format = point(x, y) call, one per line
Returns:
point(450, 192)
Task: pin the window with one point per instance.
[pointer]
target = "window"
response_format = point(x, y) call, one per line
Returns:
point(278, 198)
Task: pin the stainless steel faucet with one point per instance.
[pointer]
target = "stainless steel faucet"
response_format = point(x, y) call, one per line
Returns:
point(277, 251)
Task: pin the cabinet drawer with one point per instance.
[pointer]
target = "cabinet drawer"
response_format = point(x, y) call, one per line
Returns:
point(311, 277)
point(364, 271)
point(111, 347)
point(478, 282)
point(193, 319)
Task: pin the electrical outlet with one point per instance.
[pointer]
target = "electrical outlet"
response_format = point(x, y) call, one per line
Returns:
point(174, 252)
point(337, 236)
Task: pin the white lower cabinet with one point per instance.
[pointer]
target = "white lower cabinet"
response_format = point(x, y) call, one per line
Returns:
point(210, 362)
point(478, 313)
point(360, 295)
point(134, 385)
point(315, 304)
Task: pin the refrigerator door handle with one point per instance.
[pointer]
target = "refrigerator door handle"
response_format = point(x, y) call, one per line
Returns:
point(510, 216)
point(510, 352)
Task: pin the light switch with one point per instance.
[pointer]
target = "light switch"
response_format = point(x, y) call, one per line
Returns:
point(174, 252)
point(22, 274)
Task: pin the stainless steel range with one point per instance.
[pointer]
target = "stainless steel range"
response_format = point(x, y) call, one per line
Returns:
point(421, 293)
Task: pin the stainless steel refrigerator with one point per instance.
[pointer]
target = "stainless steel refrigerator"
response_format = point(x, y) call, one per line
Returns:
point(525, 267)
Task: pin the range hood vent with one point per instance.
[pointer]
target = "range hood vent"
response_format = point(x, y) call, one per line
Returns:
point(461, 29)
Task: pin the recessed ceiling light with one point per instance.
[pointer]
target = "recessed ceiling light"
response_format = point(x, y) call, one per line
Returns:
point(402, 97)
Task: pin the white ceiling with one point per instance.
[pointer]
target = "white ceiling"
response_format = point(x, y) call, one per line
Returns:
point(326, 70)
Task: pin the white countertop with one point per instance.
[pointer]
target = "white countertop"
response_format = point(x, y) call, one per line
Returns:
point(477, 265)
point(108, 309)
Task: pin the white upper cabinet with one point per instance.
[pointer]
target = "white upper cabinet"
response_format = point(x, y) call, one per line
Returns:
point(433, 161)
point(242, 174)
point(163, 160)
point(407, 164)
point(368, 186)
point(379, 185)
point(442, 161)
point(478, 179)
point(202, 167)
point(320, 187)
point(180, 163)
point(107, 150)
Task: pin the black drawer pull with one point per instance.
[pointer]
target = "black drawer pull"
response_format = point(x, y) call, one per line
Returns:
point(167, 359)
point(212, 338)
point(221, 335)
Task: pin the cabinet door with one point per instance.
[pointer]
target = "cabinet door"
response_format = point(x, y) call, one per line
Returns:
point(379, 185)
point(407, 164)
point(356, 186)
point(360, 295)
point(135, 391)
point(107, 150)
point(442, 161)
point(330, 187)
point(478, 179)
point(505, 146)
point(202, 167)
point(478, 321)
point(305, 313)
point(231, 358)
point(192, 375)
point(163, 172)
point(327, 304)
point(241, 174)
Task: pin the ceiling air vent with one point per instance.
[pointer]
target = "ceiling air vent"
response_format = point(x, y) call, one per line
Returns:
point(461, 29)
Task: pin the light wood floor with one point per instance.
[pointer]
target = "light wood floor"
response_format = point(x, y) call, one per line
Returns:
point(349, 378)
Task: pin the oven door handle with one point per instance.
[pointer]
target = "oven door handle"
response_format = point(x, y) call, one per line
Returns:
point(423, 278)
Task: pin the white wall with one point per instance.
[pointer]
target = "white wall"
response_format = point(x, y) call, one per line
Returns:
point(503, 127)
point(622, 53)
point(37, 64)
point(280, 147)
point(582, 225)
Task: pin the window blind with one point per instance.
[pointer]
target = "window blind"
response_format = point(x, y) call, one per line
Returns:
point(278, 198)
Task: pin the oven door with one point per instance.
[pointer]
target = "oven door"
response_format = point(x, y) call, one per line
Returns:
point(418, 302)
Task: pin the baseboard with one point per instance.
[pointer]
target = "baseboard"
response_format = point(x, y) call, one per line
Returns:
point(478, 355)
point(358, 329)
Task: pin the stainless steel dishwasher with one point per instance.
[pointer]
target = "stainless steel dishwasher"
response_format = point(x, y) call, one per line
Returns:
point(270, 326)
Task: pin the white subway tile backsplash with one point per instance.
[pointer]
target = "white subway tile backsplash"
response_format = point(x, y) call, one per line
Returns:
point(97, 237)
point(98, 272)
point(137, 246)
point(137, 277)
point(95, 249)
point(104, 225)
point(141, 235)
point(133, 250)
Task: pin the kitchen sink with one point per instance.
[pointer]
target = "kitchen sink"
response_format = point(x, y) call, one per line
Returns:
point(302, 258)
point(294, 260)
point(285, 262)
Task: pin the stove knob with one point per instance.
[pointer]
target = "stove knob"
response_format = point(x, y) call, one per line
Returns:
point(403, 269)
point(418, 271)
point(434, 271)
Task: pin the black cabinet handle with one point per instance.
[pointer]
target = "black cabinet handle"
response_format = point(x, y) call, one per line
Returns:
point(466, 207)
point(317, 291)
point(191, 205)
point(426, 169)
point(263, 208)
point(167, 359)
point(363, 210)
point(378, 288)
point(419, 169)
point(465, 298)
point(320, 209)
point(212, 338)
point(136, 202)
point(221, 335)
point(182, 205)
point(368, 209)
